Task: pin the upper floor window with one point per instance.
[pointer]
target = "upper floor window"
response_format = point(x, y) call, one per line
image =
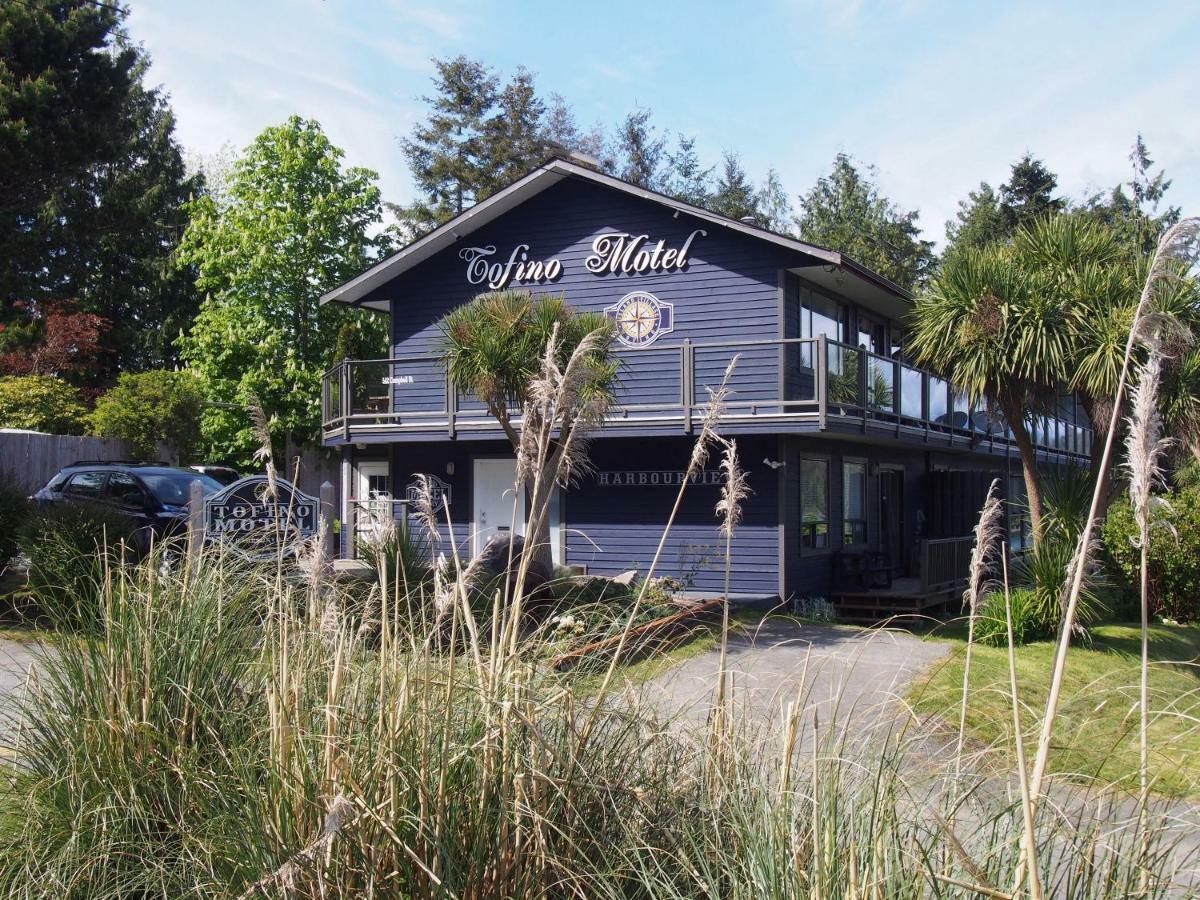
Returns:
point(821, 315)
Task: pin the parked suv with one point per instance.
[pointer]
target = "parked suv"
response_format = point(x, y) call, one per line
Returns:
point(153, 496)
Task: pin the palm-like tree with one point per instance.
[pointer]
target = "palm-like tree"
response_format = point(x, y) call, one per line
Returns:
point(493, 348)
point(990, 327)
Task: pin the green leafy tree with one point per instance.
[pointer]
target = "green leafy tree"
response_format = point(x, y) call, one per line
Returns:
point(493, 348)
point(846, 212)
point(734, 195)
point(149, 408)
point(92, 182)
point(296, 223)
point(41, 403)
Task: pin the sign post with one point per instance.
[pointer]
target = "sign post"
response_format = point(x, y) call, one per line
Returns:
point(195, 519)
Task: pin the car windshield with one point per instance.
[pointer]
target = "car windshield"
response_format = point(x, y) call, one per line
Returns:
point(172, 488)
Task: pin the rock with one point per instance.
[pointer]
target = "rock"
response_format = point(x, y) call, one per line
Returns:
point(486, 570)
point(625, 579)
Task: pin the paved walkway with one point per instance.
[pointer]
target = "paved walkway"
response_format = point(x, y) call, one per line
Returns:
point(834, 675)
point(16, 659)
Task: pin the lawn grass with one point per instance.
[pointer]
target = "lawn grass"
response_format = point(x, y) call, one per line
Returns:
point(1097, 731)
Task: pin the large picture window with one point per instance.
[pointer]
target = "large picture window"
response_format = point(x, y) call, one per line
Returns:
point(854, 503)
point(814, 504)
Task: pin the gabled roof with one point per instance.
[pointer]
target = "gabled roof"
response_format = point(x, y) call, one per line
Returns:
point(829, 271)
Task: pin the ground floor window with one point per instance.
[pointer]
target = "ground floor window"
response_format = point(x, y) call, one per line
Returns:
point(854, 503)
point(1020, 533)
point(814, 504)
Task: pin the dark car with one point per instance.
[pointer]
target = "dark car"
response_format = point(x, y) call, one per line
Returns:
point(223, 474)
point(153, 496)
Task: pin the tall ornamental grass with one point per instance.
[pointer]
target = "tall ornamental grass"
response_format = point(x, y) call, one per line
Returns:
point(220, 738)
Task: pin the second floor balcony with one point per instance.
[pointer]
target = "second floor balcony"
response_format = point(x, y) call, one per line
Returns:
point(778, 385)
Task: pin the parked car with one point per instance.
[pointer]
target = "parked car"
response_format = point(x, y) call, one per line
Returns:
point(223, 474)
point(153, 496)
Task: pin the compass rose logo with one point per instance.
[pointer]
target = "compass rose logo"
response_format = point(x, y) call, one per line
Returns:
point(641, 318)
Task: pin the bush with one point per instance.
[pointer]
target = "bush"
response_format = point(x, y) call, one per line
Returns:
point(14, 508)
point(148, 408)
point(1174, 562)
point(40, 403)
point(1029, 623)
point(69, 549)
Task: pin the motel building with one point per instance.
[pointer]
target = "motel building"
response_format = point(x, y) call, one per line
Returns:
point(867, 473)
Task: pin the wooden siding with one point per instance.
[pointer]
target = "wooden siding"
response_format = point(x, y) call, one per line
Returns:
point(729, 291)
point(615, 528)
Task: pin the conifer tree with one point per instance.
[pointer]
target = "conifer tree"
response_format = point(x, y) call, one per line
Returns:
point(92, 182)
point(846, 212)
point(686, 179)
point(734, 195)
point(774, 205)
point(448, 154)
point(641, 150)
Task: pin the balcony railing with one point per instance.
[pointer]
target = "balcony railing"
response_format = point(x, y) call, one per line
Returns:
point(819, 380)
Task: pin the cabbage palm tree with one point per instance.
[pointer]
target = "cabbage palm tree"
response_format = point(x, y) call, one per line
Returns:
point(991, 328)
point(493, 349)
point(1088, 265)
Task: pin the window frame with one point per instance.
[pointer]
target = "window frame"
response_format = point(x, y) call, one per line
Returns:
point(864, 520)
point(809, 530)
point(98, 495)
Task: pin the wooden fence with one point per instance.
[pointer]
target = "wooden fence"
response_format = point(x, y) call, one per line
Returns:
point(32, 458)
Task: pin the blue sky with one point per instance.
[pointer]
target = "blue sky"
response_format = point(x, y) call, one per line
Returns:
point(937, 95)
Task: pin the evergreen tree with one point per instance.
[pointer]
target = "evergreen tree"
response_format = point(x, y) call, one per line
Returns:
point(92, 197)
point(978, 221)
point(516, 133)
point(1132, 208)
point(448, 154)
point(845, 211)
point(685, 178)
point(640, 150)
point(1028, 195)
point(734, 195)
point(774, 205)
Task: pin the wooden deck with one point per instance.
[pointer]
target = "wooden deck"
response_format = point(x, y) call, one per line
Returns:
point(906, 600)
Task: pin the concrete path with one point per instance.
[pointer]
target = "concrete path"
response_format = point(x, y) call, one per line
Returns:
point(839, 675)
point(16, 659)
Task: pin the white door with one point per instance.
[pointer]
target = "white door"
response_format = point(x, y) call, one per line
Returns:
point(492, 501)
point(372, 498)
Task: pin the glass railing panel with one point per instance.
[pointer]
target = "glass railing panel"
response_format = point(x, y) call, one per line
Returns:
point(960, 410)
point(881, 383)
point(939, 401)
point(799, 371)
point(910, 392)
point(370, 387)
point(842, 375)
point(333, 394)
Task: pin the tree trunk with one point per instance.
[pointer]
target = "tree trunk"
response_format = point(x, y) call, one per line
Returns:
point(1014, 414)
point(538, 539)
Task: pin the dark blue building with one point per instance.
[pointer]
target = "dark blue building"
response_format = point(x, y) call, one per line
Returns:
point(856, 458)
